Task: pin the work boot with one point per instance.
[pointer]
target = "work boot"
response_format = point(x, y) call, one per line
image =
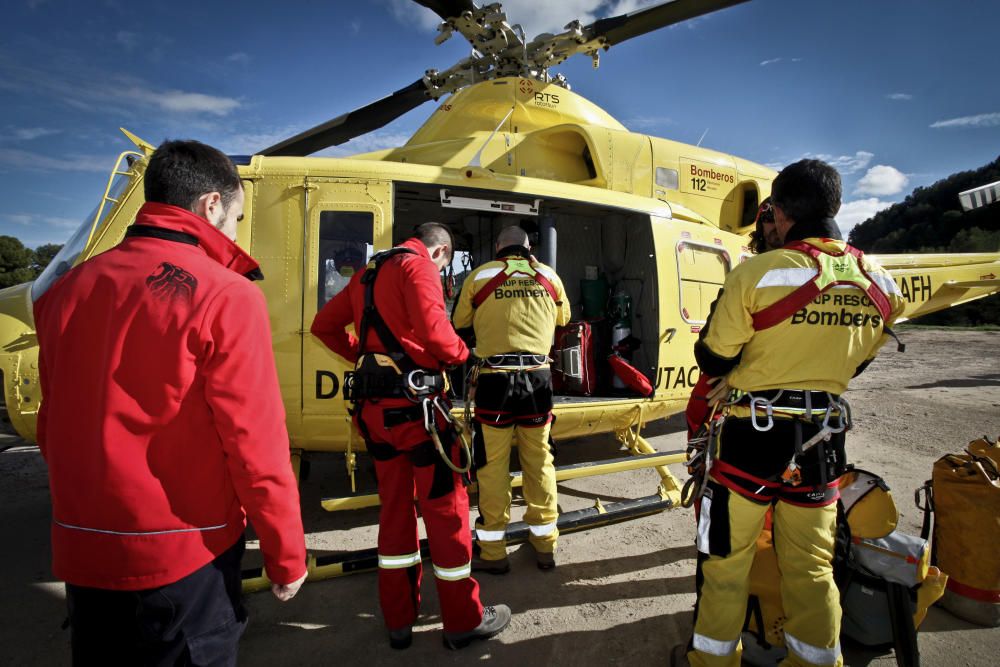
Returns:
point(546, 561)
point(480, 564)
point(495, 620)
point(402, 638)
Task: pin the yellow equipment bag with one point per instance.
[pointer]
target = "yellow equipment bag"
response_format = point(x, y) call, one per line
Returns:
point(886, 580)
point(965, 501)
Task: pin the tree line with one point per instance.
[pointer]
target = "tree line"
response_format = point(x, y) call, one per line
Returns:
point(931, 220)
point(19, 264)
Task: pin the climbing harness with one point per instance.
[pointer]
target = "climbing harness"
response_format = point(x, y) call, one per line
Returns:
point(394, 374)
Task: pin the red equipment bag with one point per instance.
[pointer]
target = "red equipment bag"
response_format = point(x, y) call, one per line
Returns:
point(631, 376)
point(574, 369)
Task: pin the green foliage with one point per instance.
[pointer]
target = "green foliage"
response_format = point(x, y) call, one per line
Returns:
point(930, 220)
point(44, 255)
point(15, 262)
point(19, 264)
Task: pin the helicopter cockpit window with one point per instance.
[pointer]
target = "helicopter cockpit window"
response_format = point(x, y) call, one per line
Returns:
point(68, 254)
point(345, 246)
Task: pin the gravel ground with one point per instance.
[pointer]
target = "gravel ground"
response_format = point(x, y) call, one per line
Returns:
point(619, 595)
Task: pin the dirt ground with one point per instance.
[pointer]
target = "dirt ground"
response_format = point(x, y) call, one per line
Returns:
point(620, 595)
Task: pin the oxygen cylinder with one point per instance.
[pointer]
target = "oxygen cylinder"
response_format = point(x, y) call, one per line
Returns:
point(620, 312)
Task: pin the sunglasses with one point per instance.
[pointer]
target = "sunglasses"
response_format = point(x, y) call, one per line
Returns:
point(765, 214)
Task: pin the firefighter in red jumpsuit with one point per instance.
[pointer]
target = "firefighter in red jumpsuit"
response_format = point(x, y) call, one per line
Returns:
point(405, 342)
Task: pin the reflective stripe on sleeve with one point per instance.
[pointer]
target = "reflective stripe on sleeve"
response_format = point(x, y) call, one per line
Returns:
point(490, 535)
point(887, 284)
point(453, 573)
point(487, 273)
point(398, 562)
point(548, 273)
point(543, 530)
point(714, 646)
point(786, 277)
point(813, 654)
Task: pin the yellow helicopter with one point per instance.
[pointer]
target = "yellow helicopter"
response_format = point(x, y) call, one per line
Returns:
point(648, 225)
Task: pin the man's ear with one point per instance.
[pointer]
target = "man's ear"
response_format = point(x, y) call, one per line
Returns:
point(207, 205)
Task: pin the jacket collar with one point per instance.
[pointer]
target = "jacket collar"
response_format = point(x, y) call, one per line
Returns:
point(825, 228)
point(215, 244)
point(514, 251)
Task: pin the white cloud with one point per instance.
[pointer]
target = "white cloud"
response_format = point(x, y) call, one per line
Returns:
point(899, 97)
point(53, 221)
point(882, 180)
point(765, 63)
point(845, 164)
point(129, 40)
point(96, 91)
point(181, 101)
point(239, 58)
point(34, 230)
point(534, 16)
point(27, 133)
point(855, 212)
point(373, 141)
point(19, 159)
point(981, 120)
point(648, 122)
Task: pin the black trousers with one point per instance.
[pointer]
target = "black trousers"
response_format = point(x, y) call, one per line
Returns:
point(197, 620)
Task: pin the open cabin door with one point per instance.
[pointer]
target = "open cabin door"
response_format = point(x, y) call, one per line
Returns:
point(347, 220)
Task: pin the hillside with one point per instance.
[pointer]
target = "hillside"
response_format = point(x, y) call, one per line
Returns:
point(931, 219)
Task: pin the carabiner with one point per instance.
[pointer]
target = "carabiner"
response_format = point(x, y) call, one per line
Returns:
point(429, 424)
point(768, 410)
point(445, 413)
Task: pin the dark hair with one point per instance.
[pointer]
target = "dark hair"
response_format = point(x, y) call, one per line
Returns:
point(435, 233)
point(182, 171)
point(807, 191)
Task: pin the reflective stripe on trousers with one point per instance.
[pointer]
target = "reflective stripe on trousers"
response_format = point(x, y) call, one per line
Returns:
point(729, 526)
point(453, 573)
point(396, 562)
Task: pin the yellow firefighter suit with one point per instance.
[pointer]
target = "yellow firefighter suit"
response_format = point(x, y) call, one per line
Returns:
point(788, 373)
point(514, 324)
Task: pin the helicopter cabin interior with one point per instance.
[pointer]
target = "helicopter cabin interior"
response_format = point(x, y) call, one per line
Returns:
point(603, 256)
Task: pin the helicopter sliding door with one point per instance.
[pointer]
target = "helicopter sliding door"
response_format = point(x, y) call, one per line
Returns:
point(346, 220)
point(695, 264)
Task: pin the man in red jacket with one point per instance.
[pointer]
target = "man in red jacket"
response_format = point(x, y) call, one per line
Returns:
point(405, 342)
point(163, 427)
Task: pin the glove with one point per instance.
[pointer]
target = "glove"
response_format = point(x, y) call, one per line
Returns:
point(719, 391)
point(286, 592)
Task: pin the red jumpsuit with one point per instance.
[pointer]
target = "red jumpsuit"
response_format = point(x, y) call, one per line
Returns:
point(409, 298)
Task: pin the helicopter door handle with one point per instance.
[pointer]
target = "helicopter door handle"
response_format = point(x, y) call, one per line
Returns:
point(669, 334)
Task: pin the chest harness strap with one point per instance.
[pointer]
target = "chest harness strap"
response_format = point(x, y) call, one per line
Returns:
point(514, 266)
point(843, 268)
point(395, 374)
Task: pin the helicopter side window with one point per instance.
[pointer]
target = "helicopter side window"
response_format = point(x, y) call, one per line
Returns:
point(345, 246)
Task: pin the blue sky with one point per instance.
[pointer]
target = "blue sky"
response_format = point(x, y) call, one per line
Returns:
point(895, 93)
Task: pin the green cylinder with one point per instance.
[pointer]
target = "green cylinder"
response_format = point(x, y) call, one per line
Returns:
point(595, 295)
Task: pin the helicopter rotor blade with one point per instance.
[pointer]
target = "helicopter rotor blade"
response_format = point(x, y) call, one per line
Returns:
point(448, 9)
point(353, 123)
point(617, 29)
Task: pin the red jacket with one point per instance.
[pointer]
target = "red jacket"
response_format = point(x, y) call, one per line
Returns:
point(409, 298)
point(162, 417)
